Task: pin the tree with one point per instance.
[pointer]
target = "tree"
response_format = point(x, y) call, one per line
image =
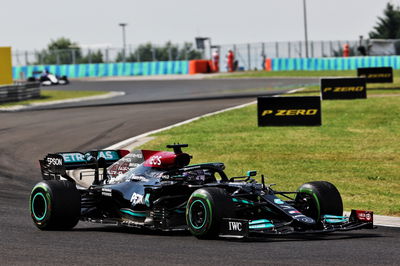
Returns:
point(59, 51)
point(169, 51)
point(388, 26)
point(92, 57)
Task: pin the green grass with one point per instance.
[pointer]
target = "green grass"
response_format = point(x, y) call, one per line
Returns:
point(262, 74)
point(54, 95)
point(357, 148)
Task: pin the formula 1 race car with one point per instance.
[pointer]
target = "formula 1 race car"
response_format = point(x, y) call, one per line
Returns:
point(47, 79)
point(160, 190)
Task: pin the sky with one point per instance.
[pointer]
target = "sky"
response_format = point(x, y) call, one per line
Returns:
point(31, 25)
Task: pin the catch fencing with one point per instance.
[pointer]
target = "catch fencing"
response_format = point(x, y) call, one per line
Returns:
point(250, 56)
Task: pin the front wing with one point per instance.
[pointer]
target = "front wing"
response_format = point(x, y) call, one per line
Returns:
point(242, 228)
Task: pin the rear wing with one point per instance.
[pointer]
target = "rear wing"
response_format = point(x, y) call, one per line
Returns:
point(56, 165)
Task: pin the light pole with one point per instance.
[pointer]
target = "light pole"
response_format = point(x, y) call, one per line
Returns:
point(123, 25)
point(305, 27)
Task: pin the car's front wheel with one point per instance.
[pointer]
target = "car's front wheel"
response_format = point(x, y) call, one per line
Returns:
point(318, 198)
point(205, 209)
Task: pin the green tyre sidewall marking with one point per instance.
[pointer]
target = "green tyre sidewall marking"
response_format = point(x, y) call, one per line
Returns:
point(190, 214)
point(40, 194)
point(204, 198)
point(41, 189)
point(311, 193)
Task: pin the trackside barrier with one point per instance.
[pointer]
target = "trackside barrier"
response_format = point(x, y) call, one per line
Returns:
point(331, 63)
point(200, 66)
point(19, 92)
point(106, 69)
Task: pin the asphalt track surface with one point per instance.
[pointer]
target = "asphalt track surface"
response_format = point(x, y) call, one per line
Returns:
point(150, 91)
point(27, 136)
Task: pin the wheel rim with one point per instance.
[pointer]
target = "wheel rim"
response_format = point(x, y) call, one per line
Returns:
point(39, 206)
point(309, 207)
point(197, 214)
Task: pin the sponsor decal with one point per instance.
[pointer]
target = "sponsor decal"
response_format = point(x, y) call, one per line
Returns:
point(366, 216)
point(235, 226)
point(293, 212)
point(307, 220)
point(343, 88)
point(108, 155)
point(289, 111)
point(137, 155)
point(376, 74)
point(155, 160)
point(106, 192)
point(73, 157)
point(54, 161)
point(136, 198)
point(117, 169)
point(77, 157)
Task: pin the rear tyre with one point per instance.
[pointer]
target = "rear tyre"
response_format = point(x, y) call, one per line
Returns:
point(318, 198)
point(55, 205)
point(205, 209)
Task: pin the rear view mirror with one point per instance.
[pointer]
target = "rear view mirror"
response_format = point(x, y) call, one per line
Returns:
point(251, 173)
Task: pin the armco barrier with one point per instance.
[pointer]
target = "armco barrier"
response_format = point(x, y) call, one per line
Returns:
point(107, 69)
point(19, 92)
point(331, 63)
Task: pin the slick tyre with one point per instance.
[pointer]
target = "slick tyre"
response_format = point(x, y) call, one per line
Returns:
point(318, 198)
point(55, 205)
point(205, 209)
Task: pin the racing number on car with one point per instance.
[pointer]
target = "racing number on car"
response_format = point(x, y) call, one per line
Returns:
point(155, 160)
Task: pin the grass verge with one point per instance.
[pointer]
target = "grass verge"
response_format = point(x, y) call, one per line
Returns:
point(357, 149)
point(265, 74)
point(56, 95)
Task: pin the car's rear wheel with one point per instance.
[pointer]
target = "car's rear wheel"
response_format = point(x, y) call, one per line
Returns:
point(55, 205)
point(205, 209)
point(318, 198)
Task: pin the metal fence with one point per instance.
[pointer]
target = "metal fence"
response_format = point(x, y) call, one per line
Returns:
point(102, 55)
point(250, 56)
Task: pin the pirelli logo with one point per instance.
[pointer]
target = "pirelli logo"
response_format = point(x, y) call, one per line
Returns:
point(343, 88)
point(373, 76)
point(376, 74)
point(289, 111)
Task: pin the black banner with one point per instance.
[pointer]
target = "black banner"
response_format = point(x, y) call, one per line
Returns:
point(343, 88)
point(376, 74)
point(289, 111)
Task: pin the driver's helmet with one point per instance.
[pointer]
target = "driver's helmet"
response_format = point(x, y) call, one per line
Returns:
point(198, 176)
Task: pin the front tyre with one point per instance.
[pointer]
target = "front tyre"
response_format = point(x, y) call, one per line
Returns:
point(318, 198)
point(55, 205)
point(205, 209)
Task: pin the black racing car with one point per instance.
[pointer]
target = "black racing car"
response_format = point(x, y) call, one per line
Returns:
point(160, 190)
